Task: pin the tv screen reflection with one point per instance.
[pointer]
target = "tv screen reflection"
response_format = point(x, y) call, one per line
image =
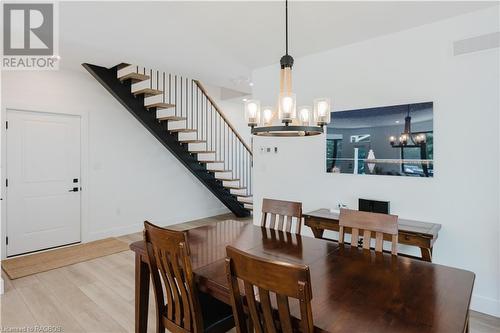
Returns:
point(393, 140)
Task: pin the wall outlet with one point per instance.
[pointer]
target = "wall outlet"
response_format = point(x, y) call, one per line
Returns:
point(341, 205)
point(268, 150)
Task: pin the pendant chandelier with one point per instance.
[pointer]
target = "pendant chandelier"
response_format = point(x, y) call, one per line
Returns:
point(305, 122)
point(407, 138)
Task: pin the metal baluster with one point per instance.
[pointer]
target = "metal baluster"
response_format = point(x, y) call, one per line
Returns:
point(202, 127)
point(224, 142)
point(169, 88)
point(187, 104)
point(164, 90)
point(206, 123)
point(192, 106)
point(197, 111)
point(212, 126)
point(220, 135)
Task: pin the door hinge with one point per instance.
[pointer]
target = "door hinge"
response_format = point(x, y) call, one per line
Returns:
point(7, 240)
point(6, 182)
point(6, 125)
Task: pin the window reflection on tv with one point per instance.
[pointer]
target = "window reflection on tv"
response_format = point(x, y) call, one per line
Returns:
point(393, 140)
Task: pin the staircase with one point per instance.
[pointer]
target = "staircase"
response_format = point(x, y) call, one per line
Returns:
point(180, 114)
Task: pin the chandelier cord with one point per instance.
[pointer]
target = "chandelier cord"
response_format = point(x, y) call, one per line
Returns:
point(286, 27)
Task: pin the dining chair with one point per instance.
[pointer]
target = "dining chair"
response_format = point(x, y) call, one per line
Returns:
point(369, 223)
point(184, 310)
point(285, 211)
point(286, 281)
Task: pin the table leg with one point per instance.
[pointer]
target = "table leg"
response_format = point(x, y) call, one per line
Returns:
point(141, 295)
point(318, 232)
point(426, 254)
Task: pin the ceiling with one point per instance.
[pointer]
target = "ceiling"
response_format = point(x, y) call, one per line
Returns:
point(221, 42)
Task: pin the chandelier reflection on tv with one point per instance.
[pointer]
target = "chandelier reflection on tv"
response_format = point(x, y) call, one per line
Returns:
point(407, 138)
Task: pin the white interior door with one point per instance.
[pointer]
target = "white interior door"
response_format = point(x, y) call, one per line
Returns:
point(43, 174)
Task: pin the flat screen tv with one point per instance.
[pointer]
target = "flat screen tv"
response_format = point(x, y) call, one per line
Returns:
point(391, 140)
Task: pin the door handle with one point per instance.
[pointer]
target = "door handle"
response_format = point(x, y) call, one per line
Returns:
point(75, 189)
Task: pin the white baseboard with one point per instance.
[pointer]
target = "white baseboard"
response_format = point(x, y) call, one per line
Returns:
point(130, 229)
point(486, 305)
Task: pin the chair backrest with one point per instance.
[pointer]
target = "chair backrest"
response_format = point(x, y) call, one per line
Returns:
point(286, 281)
point(369, 222)
point(285, 211)
point(168, 256)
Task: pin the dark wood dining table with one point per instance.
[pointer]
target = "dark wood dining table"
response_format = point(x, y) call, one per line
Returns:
point(354, 290)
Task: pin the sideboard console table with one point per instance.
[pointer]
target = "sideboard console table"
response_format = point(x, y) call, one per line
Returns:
point(414, 233)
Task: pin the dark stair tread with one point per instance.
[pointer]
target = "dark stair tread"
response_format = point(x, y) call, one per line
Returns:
point(147, 92)
point(234, 187)
point(135, 77)
point(202, 151)
point(191, 141)
point(243, 195)
point(160, 106)
point(182, 130)
point(122, 65)
point(172, 118)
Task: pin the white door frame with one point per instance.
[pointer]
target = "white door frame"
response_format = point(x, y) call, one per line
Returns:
point(84, 157)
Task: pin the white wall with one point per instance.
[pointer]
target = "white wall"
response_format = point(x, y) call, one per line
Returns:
point(416, 65)
point(130, 176)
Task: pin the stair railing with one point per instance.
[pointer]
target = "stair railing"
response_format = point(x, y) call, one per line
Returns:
point(202, 114)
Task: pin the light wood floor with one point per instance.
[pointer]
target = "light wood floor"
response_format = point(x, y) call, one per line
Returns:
point(98, 295)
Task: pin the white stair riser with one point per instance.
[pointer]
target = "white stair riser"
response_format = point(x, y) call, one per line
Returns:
point(126, 70)
point(142, 84)
point(206, 156)
point(154, 99)
point(165, 112)
point(231, 183)
point(217, 166)
point(197, 146)
point(246, 199)
point(249, 206)
point(187, 136)
point(236, 192)
point(176, 124)
point(223, 175)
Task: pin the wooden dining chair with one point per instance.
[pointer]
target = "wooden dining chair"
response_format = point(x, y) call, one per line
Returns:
point(285, 211)
point(184, 310)
point(286, 281)
point(369, 223)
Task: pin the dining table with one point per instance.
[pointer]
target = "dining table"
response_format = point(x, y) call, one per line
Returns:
point(354, 290)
